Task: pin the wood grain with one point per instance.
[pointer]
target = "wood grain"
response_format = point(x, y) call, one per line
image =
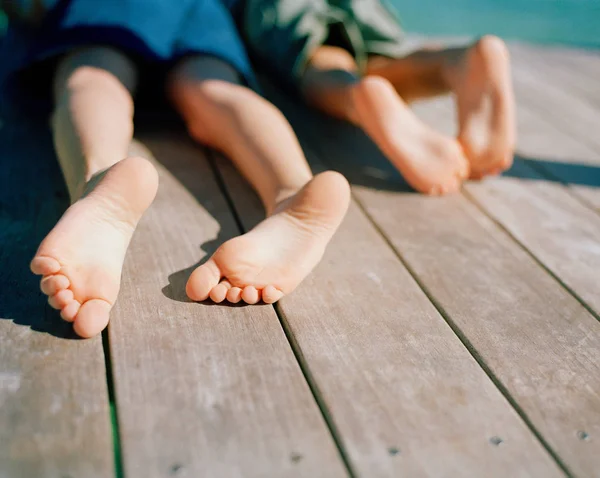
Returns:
point(204, 390)
point(539, 212)
point(539, 342)
point(564, 104)
point(552, 225)
point(561, 67)
point(54, 413)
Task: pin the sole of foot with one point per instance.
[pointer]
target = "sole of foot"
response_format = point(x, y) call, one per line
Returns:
point(482, 84)
point(431, 162)
point(81, 259)
point(273, 258)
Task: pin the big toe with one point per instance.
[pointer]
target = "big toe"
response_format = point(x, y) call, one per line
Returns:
point(92, 318)
point(270, 294)
point(202, 281)
point(491, 164)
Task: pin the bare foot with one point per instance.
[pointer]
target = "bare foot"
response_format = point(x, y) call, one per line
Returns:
point(275, 256)
point(80, 261)
point(429, 161)
point(480, 79)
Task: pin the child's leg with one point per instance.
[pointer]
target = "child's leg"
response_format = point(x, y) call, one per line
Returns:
point(431, 162)
point(479, 76)
point(81, 258)
point(303, 212)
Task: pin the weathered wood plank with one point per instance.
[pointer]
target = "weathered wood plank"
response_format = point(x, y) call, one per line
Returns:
point(540, 213)
point(539, 342)
point(583, 64)
point(404, 395)
point(54, 405)
point(204, 390)
point(552, 98)
point(557, 229)
point(561, 233)
point(556, 68)
point(565, 121)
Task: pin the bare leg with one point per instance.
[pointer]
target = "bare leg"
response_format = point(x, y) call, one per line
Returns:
point(479, 77)
point(431, 162)
point(80, 260)
point(304, 212)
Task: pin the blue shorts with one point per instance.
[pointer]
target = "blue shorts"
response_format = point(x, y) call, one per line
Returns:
point(157, 31)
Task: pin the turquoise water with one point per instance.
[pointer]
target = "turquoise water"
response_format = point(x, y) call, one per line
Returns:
point(571, 22)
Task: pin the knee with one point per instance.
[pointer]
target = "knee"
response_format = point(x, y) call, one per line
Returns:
point(103, 70)
point(99, 80)
point(327, 58)
point(213, 107)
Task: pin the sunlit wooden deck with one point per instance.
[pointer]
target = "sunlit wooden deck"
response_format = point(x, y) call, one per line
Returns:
point(454, 336)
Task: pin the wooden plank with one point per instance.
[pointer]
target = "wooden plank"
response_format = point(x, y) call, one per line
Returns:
point(539, 342)
point(556, 228)
point(584, 63)
point(54, 405)
point(570, 134)
point(404, 396)
point(576, 116)
point(540, 213)
point(204, 390)
point(556, 67)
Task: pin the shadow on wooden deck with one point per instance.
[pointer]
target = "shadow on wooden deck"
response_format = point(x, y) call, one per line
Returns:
point(364, 165)
point(32, 199)
point(33, 196)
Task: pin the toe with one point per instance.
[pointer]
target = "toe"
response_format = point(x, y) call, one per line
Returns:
point(453, 186)
point(202, 281)
point(50, 285)
point(435, 190)
point(476, 175)
point(61, 299)
point(69, 312)
point(463, 171)
point(250, 295)
point(92, 318)
point(43, 265)
point(227, 284)
point(234, 295)
point(271, 295)
point(218, 293)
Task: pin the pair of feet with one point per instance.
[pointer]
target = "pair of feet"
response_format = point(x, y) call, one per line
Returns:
point(80, 261)
point(431, 162)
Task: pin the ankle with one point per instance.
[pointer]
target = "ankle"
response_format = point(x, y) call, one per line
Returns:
point(451, 69)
